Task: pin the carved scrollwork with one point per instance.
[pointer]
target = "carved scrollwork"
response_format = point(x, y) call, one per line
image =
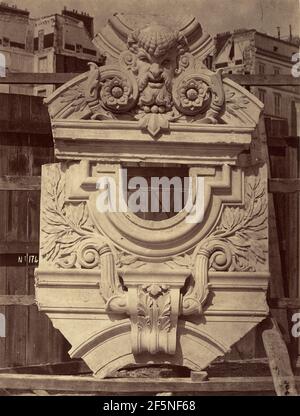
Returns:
point(68, 240)
point(184, 62)
point(220, 257)
point(88, 253)
point(110, 286)
point(239, 243)
point(196, 295)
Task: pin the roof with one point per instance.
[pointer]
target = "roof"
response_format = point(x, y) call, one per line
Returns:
point(220, 42)
point(225, 35)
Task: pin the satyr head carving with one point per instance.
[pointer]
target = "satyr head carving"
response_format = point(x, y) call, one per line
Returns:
point(158, 81)
point(156, 49)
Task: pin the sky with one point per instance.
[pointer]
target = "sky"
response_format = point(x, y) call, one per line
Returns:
point(214, 15)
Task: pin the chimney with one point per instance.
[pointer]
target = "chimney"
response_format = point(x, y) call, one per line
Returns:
point(278, 32)
point(87, 20)
point(291, 34)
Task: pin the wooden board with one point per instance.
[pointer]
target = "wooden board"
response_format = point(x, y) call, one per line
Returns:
point(130, 385)
point(279, 360)
point(285, 303)
point(287, 185)
point(277, 283)
point(17, 300)
point(3, 234)
point(20, 183)
point(61, 78)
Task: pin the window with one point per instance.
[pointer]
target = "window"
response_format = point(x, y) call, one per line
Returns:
point(69, 47)
point(5, 41)
point(208, 61)
point(49, 40)
point(2, 65)
point(41, 93)
point(89, 51)
point(17, 45)
point(231, 53)
point(163, 194)
point(43, 64)
point(277, 104)
point(36, 44)
point(262, 95)
point(261, 68)
point(41, 39)
point(222, 65)
point(276, 70)
point(78, 48)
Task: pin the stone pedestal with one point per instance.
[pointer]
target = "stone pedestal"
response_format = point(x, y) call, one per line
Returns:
point(123, 289)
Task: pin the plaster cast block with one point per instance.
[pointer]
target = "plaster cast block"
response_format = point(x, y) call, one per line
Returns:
point(126, 290)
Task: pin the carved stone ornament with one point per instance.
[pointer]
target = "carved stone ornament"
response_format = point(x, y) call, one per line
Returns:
point(123, 289)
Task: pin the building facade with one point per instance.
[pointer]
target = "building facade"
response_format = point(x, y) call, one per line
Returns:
point(55, 43)
point(16, 45)
point(252, 52)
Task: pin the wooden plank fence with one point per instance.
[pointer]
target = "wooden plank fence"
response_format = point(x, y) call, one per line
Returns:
point(25, 144)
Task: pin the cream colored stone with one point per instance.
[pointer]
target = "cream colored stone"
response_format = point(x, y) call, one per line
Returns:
point(125, 290)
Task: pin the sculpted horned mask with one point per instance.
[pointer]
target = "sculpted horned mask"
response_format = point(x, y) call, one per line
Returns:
point(156, 50)
point(158, 81)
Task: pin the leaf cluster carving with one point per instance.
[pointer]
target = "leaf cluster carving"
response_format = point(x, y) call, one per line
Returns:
point(236, 101)
point(64, 226)
point(244, 230)
point(182, 261)
point(126, 259)
point(151, 313)
point(76, 98)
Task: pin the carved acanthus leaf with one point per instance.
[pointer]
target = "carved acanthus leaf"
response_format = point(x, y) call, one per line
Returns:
point(236, 105)
point(125, 259)
point(64, 226)
point(181, 261)
point(75, 97)
point(236, 101)
point(154, 308)
point(244, 230)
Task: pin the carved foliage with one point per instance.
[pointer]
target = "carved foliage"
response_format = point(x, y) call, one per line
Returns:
point(156, 82)
point(235, 102)
point(68, 238)
point(154, 308)
point(243, 231)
